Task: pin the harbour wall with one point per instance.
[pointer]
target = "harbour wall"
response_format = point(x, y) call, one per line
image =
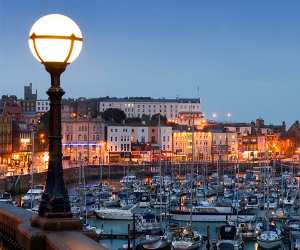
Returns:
point(17, 232)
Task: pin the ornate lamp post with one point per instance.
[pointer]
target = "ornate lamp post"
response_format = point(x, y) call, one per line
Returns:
point(55, 41)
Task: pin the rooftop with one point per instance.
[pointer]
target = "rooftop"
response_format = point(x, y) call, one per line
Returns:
point(149, 99)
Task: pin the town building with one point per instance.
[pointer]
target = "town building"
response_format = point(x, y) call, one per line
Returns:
point(83, 140)
point(29, 102)
point(5, 141)
point(138, 142)
point(208, 145)
point(241, 129)
point(224, 145)
point(12, 108)
point(252, 147)
point(191, 119)
point(139, 106)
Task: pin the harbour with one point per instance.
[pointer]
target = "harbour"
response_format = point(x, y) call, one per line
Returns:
point(151, 208)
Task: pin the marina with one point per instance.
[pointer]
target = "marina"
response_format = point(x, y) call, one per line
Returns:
point(168, 210)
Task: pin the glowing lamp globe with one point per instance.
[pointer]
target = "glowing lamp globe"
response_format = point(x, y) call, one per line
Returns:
point(55, 38)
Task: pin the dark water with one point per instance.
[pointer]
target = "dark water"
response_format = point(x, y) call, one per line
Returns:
point(121, 227)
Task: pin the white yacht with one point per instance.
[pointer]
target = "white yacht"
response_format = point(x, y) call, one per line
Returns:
point(33, 196)
point(252, 202)
point(128, 180)
point(187, 239)
point(6, 198)
point(124, 213)
point(144, 201)
point(147, 222)
point(204, 211)
point(289, 201)
point(269, 240)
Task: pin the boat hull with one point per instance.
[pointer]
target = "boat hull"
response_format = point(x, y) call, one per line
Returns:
point(183, 245)
point(113, 216)
point(269, 244)
point(208, 217)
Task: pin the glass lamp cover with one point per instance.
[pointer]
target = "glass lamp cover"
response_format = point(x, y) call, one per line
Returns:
point(55, 48)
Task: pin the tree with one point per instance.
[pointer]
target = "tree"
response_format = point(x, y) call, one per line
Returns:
point(145, 118)
point(114, 115)
point(133, 120)
point(154, 119)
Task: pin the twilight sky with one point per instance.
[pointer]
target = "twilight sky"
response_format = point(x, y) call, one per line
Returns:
point(243, 56)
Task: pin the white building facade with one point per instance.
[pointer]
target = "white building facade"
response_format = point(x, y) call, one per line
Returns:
point(118, 138)
point(42, 106)
point(137, 107)
point(121, 137)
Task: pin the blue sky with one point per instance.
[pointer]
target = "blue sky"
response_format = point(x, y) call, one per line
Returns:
point(244, 56)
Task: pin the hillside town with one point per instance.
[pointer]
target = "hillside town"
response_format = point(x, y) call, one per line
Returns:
point(109, 130)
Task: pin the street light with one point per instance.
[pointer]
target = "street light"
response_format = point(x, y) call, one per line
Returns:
point(55, 41)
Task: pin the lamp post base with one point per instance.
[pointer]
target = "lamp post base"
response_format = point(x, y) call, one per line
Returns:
point(55, 223)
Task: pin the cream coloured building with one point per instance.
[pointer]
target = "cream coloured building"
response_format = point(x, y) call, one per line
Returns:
point(136, 107)
point(204, 145)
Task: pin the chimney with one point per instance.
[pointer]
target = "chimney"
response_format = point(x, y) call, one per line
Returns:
point(259, 122)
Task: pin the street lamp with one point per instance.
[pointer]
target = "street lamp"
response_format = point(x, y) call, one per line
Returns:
point(55, 41)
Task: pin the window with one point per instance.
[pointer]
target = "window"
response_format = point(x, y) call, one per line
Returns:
point(116, 138)
point(116, 148)
point(111, 139)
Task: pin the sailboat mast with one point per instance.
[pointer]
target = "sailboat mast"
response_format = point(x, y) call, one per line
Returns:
point(160, 175)
point(192, 173)
point(31, 169)
point(268, 176)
